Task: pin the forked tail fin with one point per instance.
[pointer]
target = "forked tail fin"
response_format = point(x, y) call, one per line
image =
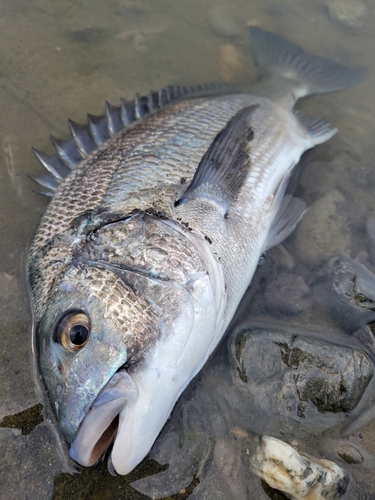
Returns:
point(293, 73)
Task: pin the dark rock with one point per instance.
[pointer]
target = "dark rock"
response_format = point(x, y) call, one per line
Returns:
point(332, 377)
point(290, 374)
point(351, 292)
point(288, 293)
point(366, 336)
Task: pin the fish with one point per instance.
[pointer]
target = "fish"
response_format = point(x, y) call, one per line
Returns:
point(160, 211)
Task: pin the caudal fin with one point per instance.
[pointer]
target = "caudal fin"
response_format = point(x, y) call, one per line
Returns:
point(280, 59)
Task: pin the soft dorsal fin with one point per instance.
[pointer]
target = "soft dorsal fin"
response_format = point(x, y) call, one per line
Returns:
point(223, 168)
point(87, 138)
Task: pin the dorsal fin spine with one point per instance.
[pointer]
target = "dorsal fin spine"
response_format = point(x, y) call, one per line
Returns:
point(87, 138)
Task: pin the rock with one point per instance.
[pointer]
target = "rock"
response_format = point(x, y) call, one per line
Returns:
point(332, 377)
point(370, 228)
point(299, 477)
point(288, 293)
point(349, 451)
point(350, 293)
point(349, 454)
point(366, 336)
point(351, 178)
point(323, 231)
point(290, 377)
point(230, 63)
point(347, 12)
point(360, 422)
point(281, 256)
point(223, 22)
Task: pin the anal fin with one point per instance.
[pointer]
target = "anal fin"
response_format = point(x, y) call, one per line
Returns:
point(290, 212)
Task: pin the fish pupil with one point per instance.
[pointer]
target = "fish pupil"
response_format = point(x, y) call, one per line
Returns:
point(79, 334)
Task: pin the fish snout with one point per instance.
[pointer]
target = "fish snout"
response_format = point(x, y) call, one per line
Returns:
point(99, 427)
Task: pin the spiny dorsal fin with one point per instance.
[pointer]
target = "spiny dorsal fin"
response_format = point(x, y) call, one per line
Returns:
point(82, 138)
point(224, 166)
point(87, 138)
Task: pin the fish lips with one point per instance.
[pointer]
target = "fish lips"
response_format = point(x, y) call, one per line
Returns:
point(99, 427)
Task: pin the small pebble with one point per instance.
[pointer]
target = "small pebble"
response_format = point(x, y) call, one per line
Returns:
point(239, 433)
point(230, 63)
point(288, 293)
point(347, 12)
point(223, 22)
point(281, 256)
point(350, 454)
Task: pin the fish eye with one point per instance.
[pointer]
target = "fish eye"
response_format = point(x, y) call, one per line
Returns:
point(73, 330)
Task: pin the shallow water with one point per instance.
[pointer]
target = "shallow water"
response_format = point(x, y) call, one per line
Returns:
point(64, 59)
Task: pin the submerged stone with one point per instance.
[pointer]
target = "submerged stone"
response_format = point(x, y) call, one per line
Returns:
point(350, 293)
point(230, 63)
point(288, 373)
point(349, 13)
point(288, 293)
point(323, 231)
point(366, 337)
point(223, 22)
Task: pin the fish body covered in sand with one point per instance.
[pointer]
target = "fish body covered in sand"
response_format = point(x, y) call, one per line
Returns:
point(159, 214)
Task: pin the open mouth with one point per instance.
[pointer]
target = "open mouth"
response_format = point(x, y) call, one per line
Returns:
point(105, 440)
point(100, 426)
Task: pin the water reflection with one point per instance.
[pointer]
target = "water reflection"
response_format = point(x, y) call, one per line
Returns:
point(63, 60)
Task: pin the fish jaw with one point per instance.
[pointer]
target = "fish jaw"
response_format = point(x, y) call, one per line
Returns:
point(109, 408)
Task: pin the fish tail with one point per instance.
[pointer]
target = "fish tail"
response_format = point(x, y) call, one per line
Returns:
point(293, 72)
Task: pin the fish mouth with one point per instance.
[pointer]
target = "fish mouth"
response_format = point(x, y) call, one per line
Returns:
point(99, 427)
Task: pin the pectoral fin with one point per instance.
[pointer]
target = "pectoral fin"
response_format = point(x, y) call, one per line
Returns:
point(225, 165)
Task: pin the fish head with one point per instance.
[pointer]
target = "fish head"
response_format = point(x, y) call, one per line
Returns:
point(116, 349)
point(93, 327)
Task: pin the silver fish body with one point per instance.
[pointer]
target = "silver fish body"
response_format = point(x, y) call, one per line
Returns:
point(148, 246)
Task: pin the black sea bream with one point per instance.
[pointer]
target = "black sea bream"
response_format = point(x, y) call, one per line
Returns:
point(160, 212)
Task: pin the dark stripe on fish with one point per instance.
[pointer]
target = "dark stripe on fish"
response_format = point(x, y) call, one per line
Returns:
point(225, 165)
